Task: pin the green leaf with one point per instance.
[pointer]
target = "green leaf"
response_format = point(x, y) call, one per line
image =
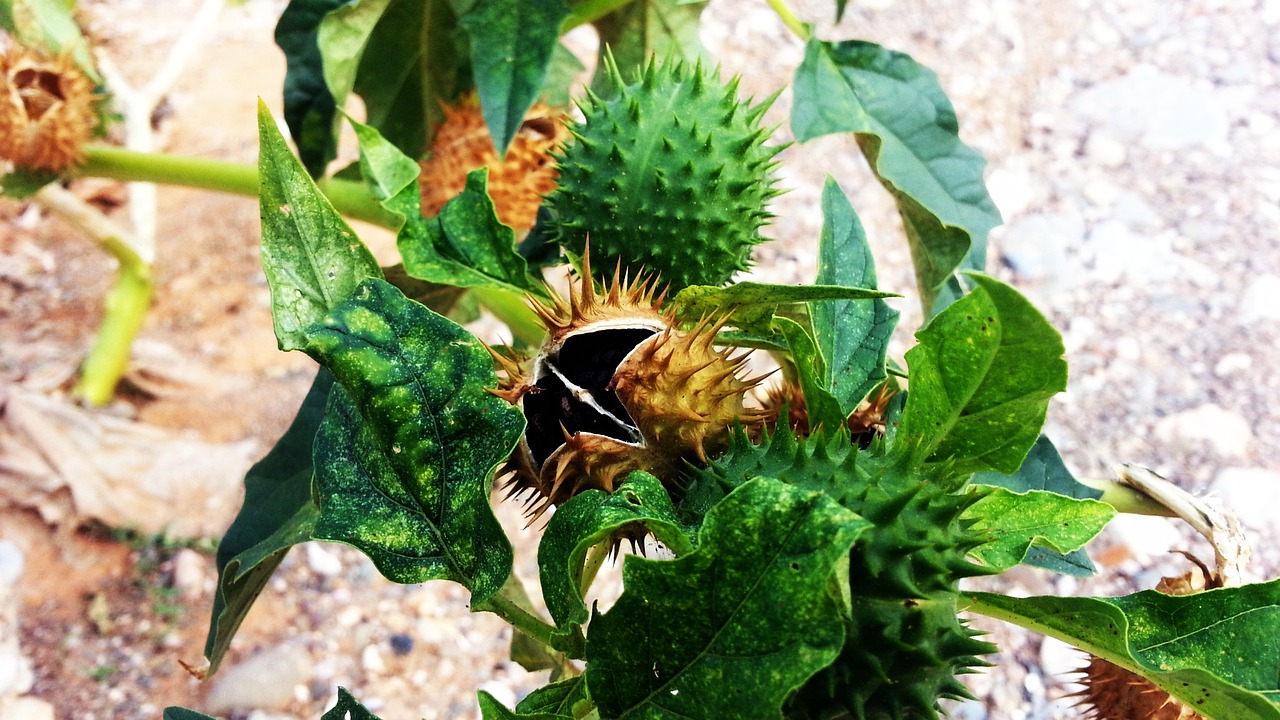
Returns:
point(1215, 650)
point(562, 72)
point(420, 63)
point(752, 305)
point(22, 183)
point(512, 42)
point(644, 29)
point(404, 458)
point(1013, 522)
point(491, 709)
point(308, 105)
point(181, 713)
point(852, 336)
point(733, 628)
point(907, 129)
point(1043, 469)
point(312, 258)
point(811, 368)
point(590, 518)
point(277, 514)
point(559, 698)
point(348, 708)
point(981, 379)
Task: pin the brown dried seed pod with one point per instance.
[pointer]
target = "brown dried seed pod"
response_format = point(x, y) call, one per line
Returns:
point(46, 110)
point(618, 388)
point(517, 182)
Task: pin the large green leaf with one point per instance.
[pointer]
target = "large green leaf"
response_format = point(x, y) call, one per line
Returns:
point(981, 378)
point(1012, 522)
point(907, 129)
point(308, 105)
point(752, 305)
point(852, 336)
point(1043, 469)
point(404, 458)
point(641, 30)
point(312, 258)
point(1215, 650)
point(733, 628)
point(512, 42)
point(590, 518)
point(277, 513)
point(822, 408)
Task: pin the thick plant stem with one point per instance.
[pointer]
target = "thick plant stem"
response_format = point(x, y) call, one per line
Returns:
point(511, 603)
point(798, 27)
point(106, 161)
point(126, 306)
point(512, 309)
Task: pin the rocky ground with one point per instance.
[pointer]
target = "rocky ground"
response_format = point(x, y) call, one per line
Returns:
point(1133, 153)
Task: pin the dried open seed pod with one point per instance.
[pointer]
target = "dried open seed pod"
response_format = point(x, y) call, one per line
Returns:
point(46, 110)
point(617, 388)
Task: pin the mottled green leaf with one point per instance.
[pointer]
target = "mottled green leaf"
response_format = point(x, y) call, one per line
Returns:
point(1043, 469)
point(981, 379)
point(590, 518)
point(644, 29)
point(811, 368)
point(562, 698)
point(752, 305)
point(512, 42)
point(308, 105)
point(853, 337)
point(907, 128)
point(348, 708)
point(1215, 650)
point(277, 513)
point(405, 457)
point(1012, 522)
point(312, 258)
point(731, 629)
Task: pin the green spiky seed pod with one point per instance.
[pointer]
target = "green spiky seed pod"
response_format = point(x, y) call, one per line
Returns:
point(905, 644)
point(670, 175)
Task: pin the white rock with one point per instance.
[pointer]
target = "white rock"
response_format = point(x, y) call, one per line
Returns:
point(1059, 660)
point(1232, 364)
point(1014, 191)
point(11, 563)
point(1161, 111)
point(1146, 537)
point(1261, 299)
point(1039, 246)
point(1224, 431)
point(264, 681)
point(321, 561)
point(1253, 494)
point(16, 676)
point(371, 660)
point(500, 692)
point(188, 567)
point(1119, 254)
point(1104, 150)
point(26, 708)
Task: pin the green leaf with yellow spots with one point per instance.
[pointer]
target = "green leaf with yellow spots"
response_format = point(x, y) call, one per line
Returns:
point(405, 454)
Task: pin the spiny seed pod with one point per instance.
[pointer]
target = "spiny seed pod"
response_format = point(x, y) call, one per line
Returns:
point(47, 110)
point(670, 174)
point(617, 388)
point(517, 181)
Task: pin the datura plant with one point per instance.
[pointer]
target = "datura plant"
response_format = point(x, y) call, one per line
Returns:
point(812, 508)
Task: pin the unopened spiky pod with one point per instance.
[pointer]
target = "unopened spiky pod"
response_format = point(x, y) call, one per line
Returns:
point(617, 388)
point(905, 644)
point(671, 174)
point(47, 110)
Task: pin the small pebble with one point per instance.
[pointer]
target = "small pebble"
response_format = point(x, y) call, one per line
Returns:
point(401, 644)
point(321, 561)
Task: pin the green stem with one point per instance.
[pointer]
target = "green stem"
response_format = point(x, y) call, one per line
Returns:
point(801, 29)
point(511, 603)
point(348, 197)
point(590, 11)
point(1126, 499)
point(123, 315)
point(512, 309)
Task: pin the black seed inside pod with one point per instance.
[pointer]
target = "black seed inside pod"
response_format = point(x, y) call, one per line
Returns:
point(573, 393)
